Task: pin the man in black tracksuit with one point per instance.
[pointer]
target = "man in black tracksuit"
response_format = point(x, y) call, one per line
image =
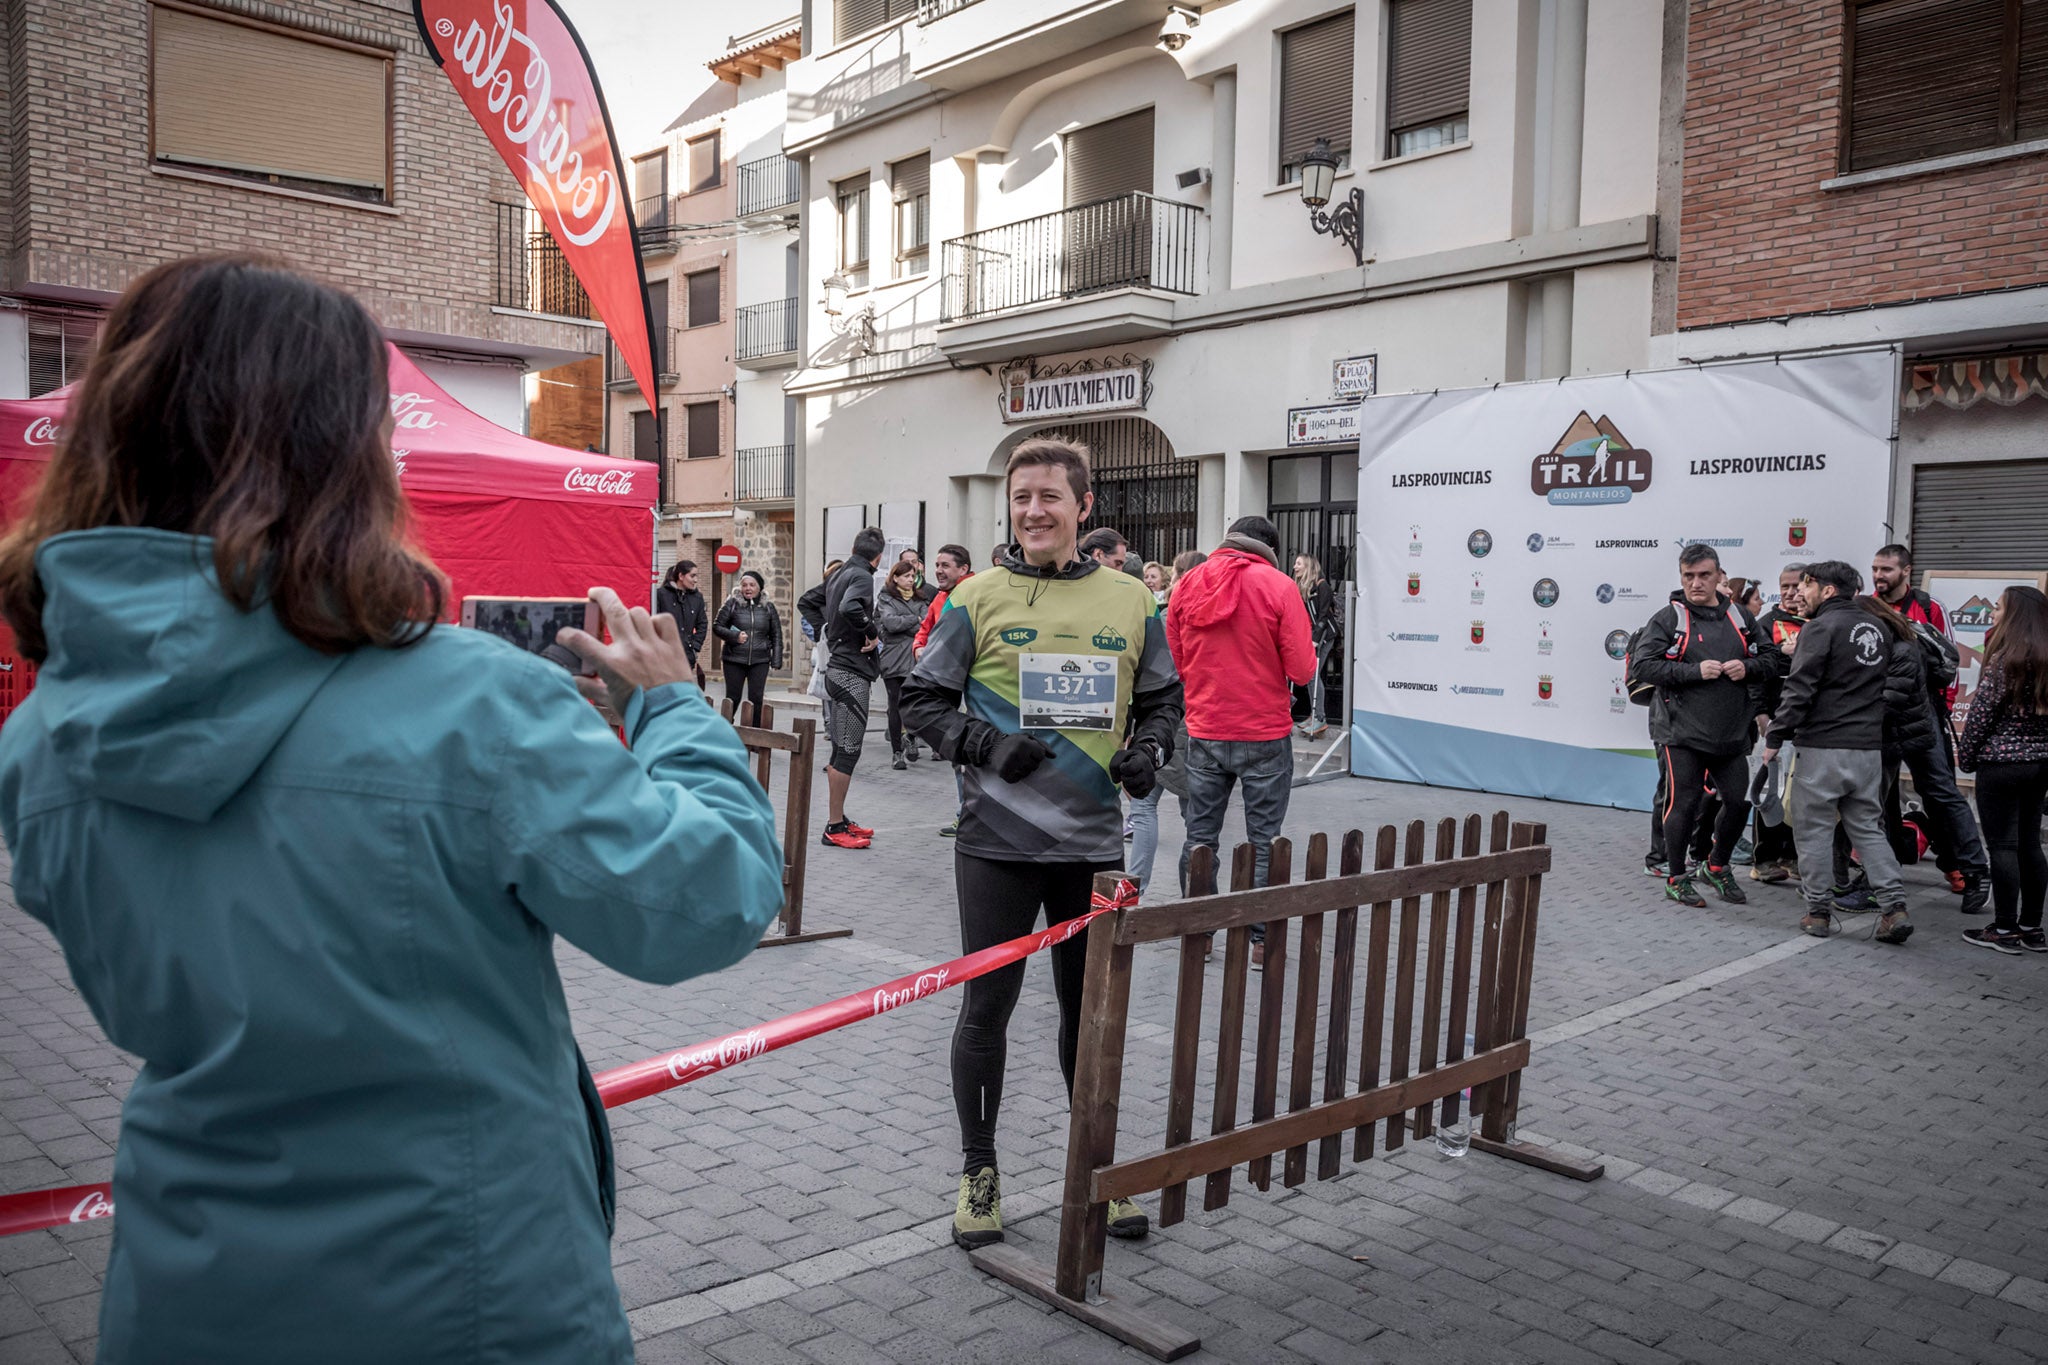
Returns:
point(1701, 656)
point(1833, 709)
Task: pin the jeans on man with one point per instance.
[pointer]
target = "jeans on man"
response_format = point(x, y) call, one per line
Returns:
point(1845, 785)
point(1265, 768)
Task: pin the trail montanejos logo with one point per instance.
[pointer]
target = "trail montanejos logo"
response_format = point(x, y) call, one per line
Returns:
point(1592, 463)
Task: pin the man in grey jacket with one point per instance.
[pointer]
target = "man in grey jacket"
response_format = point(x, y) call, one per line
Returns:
point(1833, 705)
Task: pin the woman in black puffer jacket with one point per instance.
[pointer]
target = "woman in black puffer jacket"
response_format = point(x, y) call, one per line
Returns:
point(752, 631)
point(1909, 723)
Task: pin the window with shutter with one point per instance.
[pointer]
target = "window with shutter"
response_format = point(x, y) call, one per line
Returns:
point(1429, 74)
point(646, 436)
point(650, 190)
point(254, 100)
point(852, 196)
point(703, 301)
point(700, 432)
point(704, 162)
point(58, 349)
point(1108, 229)
point(1930, 78)
point(657, 312)
point(1109, 159)
point(1991, 516)
point(1315, 90)
point(910, 185)
point(851, 18)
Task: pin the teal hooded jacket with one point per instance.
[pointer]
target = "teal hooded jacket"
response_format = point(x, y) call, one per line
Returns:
point(317, 896)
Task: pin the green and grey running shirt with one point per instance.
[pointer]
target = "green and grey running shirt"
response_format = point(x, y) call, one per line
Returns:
point(1075, 656)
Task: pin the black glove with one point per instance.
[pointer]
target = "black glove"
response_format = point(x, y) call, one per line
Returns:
point(1016, 757)
point(1134, 768)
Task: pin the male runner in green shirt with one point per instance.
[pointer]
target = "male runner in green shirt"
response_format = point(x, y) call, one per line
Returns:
point(1057, 659)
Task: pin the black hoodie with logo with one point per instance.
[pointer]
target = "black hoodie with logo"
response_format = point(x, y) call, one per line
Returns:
point(1834, 695)
point(1711, 715)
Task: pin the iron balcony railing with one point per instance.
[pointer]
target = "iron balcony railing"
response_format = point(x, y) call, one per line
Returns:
point(773, 182)
point(665, 374)
point(652, 217)
point(765, 474)
point(767, 329)
point(532, 273)
point(1132, 241)
point(928, 10)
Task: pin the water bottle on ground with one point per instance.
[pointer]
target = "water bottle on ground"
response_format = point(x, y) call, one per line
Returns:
point(1454, 1131)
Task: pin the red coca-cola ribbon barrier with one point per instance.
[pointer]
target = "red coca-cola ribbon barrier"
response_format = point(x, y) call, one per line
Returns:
point(638, 1080)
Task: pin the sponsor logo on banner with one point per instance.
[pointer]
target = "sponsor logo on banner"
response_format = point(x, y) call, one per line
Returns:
point(1607, 593)
point(1479, 544)
point(727, 1051)
point(1795, 533)
point(1019, 635)
point(1617, 644)
point(1762, 464)
point(1618, 703)
point(1415, 585)
point(1478, 644)
point(1711, 542)
point(1415, 542)
point(1974, 614)
point(1544, 644)
point(1410, 686)
point(1478, 588)
point(1591, 464)
point(1478, 691)
point(1403, 637)
point(94, 1205)
point(618, 481)
point(1626, 544)
point(1443, 478)
point(1546, 592)
point(927, 983)
point(1543, 687)
point(42, 432)
point(1535, 542)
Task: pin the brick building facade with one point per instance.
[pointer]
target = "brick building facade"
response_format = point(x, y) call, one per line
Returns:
point(115, 156)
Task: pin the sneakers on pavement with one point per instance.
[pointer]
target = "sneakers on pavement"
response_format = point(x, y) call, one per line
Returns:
point(2034, 940)
point(1744, 854)
point(842, 835)
point(912, 752)
point(1127, 1220)
point(1770, 874)
point(951, 831)
point(1957, 882)
point(1976, 894)
point(1854, 900)
point(862, 830)
point(1681, 889)
point(1724, 884)
point(978, 1213)
point(1998, 940)
point(1656, 867)
point(1894, 927)
point(1816, 923)
point(896, 761)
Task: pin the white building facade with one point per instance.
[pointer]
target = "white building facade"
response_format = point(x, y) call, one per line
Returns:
point(1042, 215)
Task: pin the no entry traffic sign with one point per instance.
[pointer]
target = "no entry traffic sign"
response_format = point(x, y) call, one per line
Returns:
point(728, 559)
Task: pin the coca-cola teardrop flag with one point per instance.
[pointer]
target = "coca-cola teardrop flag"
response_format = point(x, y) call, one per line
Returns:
point(522, 71)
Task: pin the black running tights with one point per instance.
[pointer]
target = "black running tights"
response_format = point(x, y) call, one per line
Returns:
point(1684, 774)
point(1000, 901)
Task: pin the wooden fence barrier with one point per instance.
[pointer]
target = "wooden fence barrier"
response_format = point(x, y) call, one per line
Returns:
point(800, 742)
point(1476, 953)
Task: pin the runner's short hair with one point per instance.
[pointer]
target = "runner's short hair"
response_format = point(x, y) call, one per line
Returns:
point(1259, 529)
point(1102, 539)
point(1696, 553)
point(870, 543)
point(1898, 552)
point(959, 555)
point(1834, 573)
point(1057, 452)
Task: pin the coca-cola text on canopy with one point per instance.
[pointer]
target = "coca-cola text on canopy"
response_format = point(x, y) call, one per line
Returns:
point(618, 481)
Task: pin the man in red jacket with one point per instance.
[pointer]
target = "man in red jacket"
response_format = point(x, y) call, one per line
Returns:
point(1240, 635)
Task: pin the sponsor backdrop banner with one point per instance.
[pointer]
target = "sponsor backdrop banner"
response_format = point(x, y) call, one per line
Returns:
point(1512, 539)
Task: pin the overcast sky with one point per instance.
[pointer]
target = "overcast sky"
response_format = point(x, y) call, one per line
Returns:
point(650, 54)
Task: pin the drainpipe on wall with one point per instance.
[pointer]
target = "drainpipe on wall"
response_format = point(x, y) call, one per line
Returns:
point(1565, 144)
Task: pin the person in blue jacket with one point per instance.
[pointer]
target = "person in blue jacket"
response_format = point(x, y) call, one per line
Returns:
point(307, 852)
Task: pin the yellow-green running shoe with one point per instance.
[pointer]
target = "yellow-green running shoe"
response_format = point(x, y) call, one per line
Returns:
point(978, 1217)
point(1126, 1219)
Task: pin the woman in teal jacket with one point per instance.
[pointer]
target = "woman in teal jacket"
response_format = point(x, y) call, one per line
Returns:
point(307, 855)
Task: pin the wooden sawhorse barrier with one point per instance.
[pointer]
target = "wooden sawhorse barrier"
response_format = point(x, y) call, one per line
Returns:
point(800, 742)
point(1482, 904)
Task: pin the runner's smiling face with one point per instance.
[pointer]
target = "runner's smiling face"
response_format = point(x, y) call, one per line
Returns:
point(1045, 515)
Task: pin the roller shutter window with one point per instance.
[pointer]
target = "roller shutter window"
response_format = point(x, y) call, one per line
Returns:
point(910, 193)
point(657, 312)
point(1107, 229)
point(1109, 159)
point(1931, 78)
point(852, 197)
point(1429, 74)
point(703, 287)
point(646, 436)
point(2031, 99)
point(1991, 517)
point(704, 163)
point(58, 349)
point(1316, 90)
point(650, 190)
point(700, 432)
point(851, 18)
point(254, 101)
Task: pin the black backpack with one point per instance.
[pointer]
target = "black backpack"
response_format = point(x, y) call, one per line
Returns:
point(1943, 661)
point(1641, 692)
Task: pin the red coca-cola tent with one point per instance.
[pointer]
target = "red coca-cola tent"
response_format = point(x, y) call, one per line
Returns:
point(503, 515)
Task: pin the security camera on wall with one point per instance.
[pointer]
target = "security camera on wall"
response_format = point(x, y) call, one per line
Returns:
point(1181, 21)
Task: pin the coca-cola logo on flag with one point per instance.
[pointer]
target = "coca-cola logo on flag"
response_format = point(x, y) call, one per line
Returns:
point(728, 1051)
point(42, 432)
point(578, 480)
point(523, 74)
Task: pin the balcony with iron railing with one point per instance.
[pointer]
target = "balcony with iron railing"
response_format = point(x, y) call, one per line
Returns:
point(928, 10)
point(651, 221)
point(767, 334)
point(1099, 272)
point(618, 376)
point(532, 274)
point(764, 474)
point(769, 184)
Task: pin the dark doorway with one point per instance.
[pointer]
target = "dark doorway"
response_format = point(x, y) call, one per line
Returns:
point(1313, 499)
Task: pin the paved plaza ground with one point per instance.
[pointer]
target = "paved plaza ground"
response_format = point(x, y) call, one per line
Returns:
point(1816, 1151)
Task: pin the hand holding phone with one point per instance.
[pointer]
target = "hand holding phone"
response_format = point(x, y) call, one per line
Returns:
point(645, 651)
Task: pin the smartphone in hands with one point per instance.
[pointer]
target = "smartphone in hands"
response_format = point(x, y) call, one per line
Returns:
point(531, 624)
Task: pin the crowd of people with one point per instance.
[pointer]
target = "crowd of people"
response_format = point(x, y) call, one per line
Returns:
point(1802, 717)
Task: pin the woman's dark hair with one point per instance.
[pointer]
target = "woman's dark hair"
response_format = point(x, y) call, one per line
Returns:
point(1899, 626)
point(2018, 644)
point(235, 399)
point(1188, 559)
point(677, 570)
point(903, 568)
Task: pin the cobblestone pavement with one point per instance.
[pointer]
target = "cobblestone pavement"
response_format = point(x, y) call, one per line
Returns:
point(1827, 1151)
